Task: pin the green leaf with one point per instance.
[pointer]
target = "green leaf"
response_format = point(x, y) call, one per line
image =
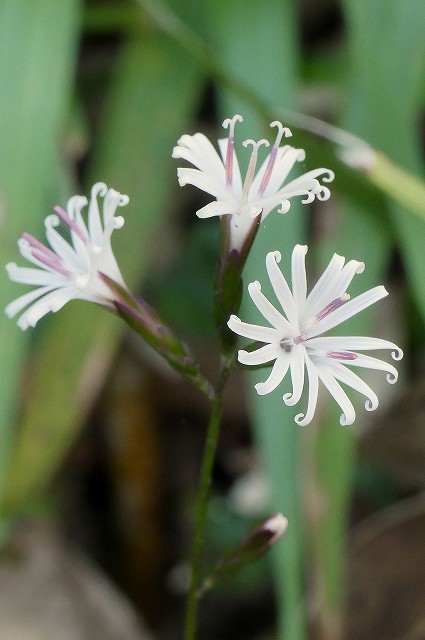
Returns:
point(37, 55)
point(149, 102)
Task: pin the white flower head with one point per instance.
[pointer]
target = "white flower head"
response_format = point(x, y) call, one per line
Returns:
point(294, 340)
point(69, 269)
point(259, 193)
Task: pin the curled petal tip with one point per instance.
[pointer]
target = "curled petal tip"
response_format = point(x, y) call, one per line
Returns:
point(397, 355)
point(300, 420)
point(392, 378)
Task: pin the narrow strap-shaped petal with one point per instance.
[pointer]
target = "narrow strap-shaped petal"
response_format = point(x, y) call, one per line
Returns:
point(281, 288)
point(94, 222)
point(367, 362)
point(112, 200)
point(297, 376)
point(36, 277)
point(326, 174)
point(354, 343)
point(276, 376)
point(323, 291)
point(199, 151)
point(349, 415)
point(336, 286)
point(347, 310)
point(52, 301)
point(260, 356)
point(313, 388)
point(286, 158)
point(270, 313)
point(348, 377)
point(204, 182)
point(23, 301)
point(216, 208)
point(60, 246)
point(351, 269)
point(299, 278)
point(252, 331)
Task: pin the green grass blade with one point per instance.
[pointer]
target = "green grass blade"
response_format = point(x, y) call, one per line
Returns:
point(149, 103)
point(37, 53)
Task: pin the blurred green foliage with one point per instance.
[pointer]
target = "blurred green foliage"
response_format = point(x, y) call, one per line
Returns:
point(69, 118)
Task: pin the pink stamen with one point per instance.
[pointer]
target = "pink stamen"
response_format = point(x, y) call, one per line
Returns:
point(300, 339)
point(342, 355)
point(71, 224)
point(230, 123)
point(36, 244)
point(332, 306)
point(54, 264)
point(272, 157)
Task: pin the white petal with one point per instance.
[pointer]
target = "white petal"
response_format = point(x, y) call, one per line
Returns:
point(204, 182)
point(236, 176)
point(307, 178)
point(355, 343)
point(39, 277)
point(349, 415)
point(216, 208)
point(374, 363)
point(252, 331)
point(348, 377)
point(297, 376)
point(313, 388)
point(324, 290)
point(270, 313)
point(260, 356)
point(61, 247)
point(199, 151)
point(23, 301)
point(53, 301)
point(286, 157)
point(333, 284)
point(112, 200)
point(299, 278)
point(281, 288)
point(95, 225)
point(276, 376)
point(347, 310)
point(74, 208)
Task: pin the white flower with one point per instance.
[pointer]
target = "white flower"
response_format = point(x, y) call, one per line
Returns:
point(293, 341)
point(257, 194)
point(69, 269)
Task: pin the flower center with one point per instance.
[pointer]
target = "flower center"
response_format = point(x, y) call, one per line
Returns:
point(287, 344)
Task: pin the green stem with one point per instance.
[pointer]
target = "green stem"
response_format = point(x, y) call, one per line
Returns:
point(202, 498)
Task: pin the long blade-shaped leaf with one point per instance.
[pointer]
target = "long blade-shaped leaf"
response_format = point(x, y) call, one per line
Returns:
point(149, 103)
point(37, 51)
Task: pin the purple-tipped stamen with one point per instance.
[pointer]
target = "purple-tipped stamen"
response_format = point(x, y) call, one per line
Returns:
point(282, 131)
point(342, 355)
point(70, 223)
point(332, 306)
point(36, 244)
point(54, 264)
